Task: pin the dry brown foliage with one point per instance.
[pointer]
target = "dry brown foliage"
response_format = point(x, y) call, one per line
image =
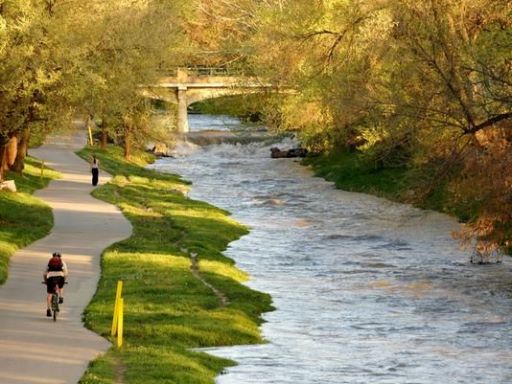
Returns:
point(487, 181)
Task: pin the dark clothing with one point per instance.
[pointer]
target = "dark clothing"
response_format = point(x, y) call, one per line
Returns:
point(95, 176)
point(51, 281)
point(95, 169)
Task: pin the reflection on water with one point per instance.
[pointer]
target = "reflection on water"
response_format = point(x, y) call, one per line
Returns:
point(366, 291)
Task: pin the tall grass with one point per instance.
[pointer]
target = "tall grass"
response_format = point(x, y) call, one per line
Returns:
point(169, 310)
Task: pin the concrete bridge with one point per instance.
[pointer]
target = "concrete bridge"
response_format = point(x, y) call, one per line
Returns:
point(188, 86)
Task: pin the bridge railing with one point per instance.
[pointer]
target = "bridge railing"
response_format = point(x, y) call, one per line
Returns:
point(207, 71)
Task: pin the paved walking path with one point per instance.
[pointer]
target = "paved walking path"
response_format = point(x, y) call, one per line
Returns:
point(34, 349)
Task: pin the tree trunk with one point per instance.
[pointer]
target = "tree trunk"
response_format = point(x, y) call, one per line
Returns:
point(3, 163)
point(3, 156)
point(127, 141)
point(19, 163)
point(104, 136)
point(11, 150)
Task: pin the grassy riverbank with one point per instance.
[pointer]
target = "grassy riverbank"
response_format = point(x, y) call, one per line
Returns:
point(23, 217)
point(180, 291)
point(351, 171)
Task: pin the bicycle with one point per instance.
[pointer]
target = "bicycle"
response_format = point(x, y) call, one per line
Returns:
point(55, 299)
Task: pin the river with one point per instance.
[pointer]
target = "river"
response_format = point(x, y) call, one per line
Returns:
point(365, 290)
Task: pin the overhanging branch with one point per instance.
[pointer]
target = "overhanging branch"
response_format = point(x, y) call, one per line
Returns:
point(489, 122)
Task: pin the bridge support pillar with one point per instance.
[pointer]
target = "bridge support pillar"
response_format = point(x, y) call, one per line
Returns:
point(182, 110)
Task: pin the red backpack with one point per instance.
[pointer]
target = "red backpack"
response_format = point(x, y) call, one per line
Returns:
point(55, 264)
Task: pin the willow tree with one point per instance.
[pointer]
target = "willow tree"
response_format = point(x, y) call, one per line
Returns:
point(218, 32)
point(28, 70)
point(324, 55)
point(37, 61)
point(60, 58)
point(421, 84)
point(457, 53)
point(123, 46)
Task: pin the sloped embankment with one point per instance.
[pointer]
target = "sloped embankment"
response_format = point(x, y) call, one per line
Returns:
point(180, 291)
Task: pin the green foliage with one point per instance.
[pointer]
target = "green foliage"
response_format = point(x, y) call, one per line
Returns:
point(353, 172)
point(422, 186)
point(168, 310)
point(420, 74)
point(244, 106)
point(429, 72)
point(63, 59)
point(23, 218)
point(155, 364)
point(127, 43)
point(391, 152)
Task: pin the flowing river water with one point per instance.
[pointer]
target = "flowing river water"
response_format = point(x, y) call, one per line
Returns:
point(365, 290)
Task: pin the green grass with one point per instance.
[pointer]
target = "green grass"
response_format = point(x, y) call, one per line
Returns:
point(23, 218)
point(168, 310)
point(351, 171)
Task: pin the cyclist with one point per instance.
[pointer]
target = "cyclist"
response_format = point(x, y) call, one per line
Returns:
point(56, 272)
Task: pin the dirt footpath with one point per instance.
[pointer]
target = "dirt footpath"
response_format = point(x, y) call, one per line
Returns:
point(34, 349)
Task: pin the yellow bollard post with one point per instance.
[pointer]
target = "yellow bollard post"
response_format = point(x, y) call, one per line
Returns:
point(120, 325)
point(89, 130)
point(116, 308)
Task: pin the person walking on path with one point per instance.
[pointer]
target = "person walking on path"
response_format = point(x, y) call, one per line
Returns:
point(95, 170)
point(56, 272)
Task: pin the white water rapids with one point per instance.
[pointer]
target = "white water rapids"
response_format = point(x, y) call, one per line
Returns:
point(366, 290)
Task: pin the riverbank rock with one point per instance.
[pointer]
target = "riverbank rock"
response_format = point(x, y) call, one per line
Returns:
point(8, 185)
point(160, 150)
point(277, 153)
point(485, 253)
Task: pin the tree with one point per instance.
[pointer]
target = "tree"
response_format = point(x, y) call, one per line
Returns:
point(33, 59)
point(129, 44)
point(59, 58)
point(422, 84)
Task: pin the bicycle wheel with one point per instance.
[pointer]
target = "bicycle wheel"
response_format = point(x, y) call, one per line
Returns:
point(55, 305)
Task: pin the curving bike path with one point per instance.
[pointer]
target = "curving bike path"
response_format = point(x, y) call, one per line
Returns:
point(34, 349)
